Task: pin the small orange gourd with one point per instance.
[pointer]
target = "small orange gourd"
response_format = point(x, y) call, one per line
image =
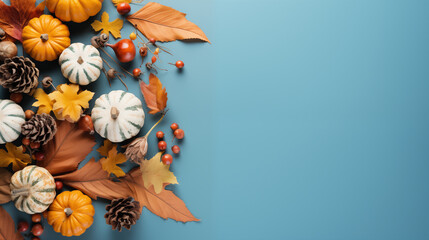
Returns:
point(71, 213)
point(45, 38)
point(72, 10)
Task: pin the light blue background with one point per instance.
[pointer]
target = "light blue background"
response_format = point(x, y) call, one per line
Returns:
point(304, 119)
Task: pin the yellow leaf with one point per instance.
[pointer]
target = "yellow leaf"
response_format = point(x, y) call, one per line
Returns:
point(43, 101)
point(68, 103)
point(116, 2)
point(15, 156)
point(107, 146)
point(156, 173)
point(113, 27)
point(109, 164)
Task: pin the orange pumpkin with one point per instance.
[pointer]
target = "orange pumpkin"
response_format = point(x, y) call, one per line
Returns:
point(72, 10)
point(45, 38)
point(71, 213)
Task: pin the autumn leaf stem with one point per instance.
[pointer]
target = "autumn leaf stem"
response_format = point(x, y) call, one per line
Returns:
point(162, 117)
point(123, 69)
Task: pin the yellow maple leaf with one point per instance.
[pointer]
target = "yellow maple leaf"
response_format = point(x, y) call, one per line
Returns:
point(68, 101)
point(107, 146)
point(116, 2)
point(43, 101)
point(113, 27)
point(15, 156)
point(156, 173)
point(110, 163)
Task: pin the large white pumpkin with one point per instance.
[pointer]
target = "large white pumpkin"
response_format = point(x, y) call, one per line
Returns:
point(11, 119)
point(81, 64)
point(118, 116)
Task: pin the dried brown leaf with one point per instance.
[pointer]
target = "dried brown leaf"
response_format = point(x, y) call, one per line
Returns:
point(7, 227)
point(5, 176)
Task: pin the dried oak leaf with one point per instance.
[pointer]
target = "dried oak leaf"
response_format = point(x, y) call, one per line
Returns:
point(107, 146)
point(15, 156)
point(93, 181)
point(15, 17)
point(113, 27)
point(7, 227)
point(43, 101)
point(156, 174)
point(165, 24)
point(154, 95)
point(110, 163)
point(5, 176)
point(68, 101)
point(69, 147)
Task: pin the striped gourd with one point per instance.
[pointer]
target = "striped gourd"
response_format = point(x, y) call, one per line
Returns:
point(118, 116)
point(11, 119)
point(32, 189)
point(81, 64)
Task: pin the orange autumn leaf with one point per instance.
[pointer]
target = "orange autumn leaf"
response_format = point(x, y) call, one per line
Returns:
point(15, 17)
point(154, 95)
point(110, 163)
point(165, 24)
point(7, 227)
point(107, 146)
point(93, 181)
point(5, 196)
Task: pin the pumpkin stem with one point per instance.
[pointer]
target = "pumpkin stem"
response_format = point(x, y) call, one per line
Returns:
point(114, 112)
point(21, 192)
point(80, 60)
point(68, 211)
point(44, 37)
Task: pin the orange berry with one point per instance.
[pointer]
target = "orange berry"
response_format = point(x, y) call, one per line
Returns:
point(167, 159)
point(29, 114)
point(162, 145)
point(179, 133)
point(174, 126)
point(16, 97)
point(175, 149)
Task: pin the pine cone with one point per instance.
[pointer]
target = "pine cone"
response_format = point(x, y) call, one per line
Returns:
point(137, 150)
point(123, 212)
point(19, 75)
point(40, 128)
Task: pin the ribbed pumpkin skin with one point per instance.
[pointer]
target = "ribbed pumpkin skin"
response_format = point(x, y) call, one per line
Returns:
point(72, 10)
point(11, 119)
point(81, 63)
point(130, 119)
point(81, 217)
point(40, 186)
point(58, 38)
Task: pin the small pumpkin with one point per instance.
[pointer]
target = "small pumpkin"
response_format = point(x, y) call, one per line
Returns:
point(32, 189)
point(71, 213)
point(81, 63)
point(118, 116)
point(11, 119)
point(76, 11)
point(45, 38)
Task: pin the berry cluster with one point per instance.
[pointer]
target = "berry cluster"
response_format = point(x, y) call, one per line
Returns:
point(167, 159)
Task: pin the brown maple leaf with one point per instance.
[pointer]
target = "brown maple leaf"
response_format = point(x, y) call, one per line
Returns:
point(5, 176)
point(165, 24)
point(7, 227)
point(154, 95)
point(15, 17)
point(95, 182)
point(69, 147)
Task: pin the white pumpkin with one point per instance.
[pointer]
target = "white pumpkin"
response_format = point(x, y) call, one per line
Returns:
point(118, 116)
point(11, 119)
point(81, 64)
point(32, 189)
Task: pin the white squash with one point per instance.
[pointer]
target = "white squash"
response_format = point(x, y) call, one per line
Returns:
point(32, 189)
point(11, 119)
point(118, 116)
point(81, 64)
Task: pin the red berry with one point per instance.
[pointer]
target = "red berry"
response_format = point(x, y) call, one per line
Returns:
point(159, 135)
point(153, 59)
point(152, 40)
point(179, 133)
point(180, 64)
point(167, 159)
point(35, 238)
point(16, 97)
point(123, 8)
point(29, 114)
point(39, 156)
point(34, 145)
point(162, 145)
point(59, 185)
point(175, 149)
point(137, 72)
point(36, 218)
point(23, 226)
point(26, 141)
point(174, 126)
point(37, 229)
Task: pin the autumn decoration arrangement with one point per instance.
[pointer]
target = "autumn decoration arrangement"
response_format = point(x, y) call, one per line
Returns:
point(43, 150)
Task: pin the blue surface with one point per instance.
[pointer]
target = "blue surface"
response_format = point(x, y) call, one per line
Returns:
point(304, 120)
